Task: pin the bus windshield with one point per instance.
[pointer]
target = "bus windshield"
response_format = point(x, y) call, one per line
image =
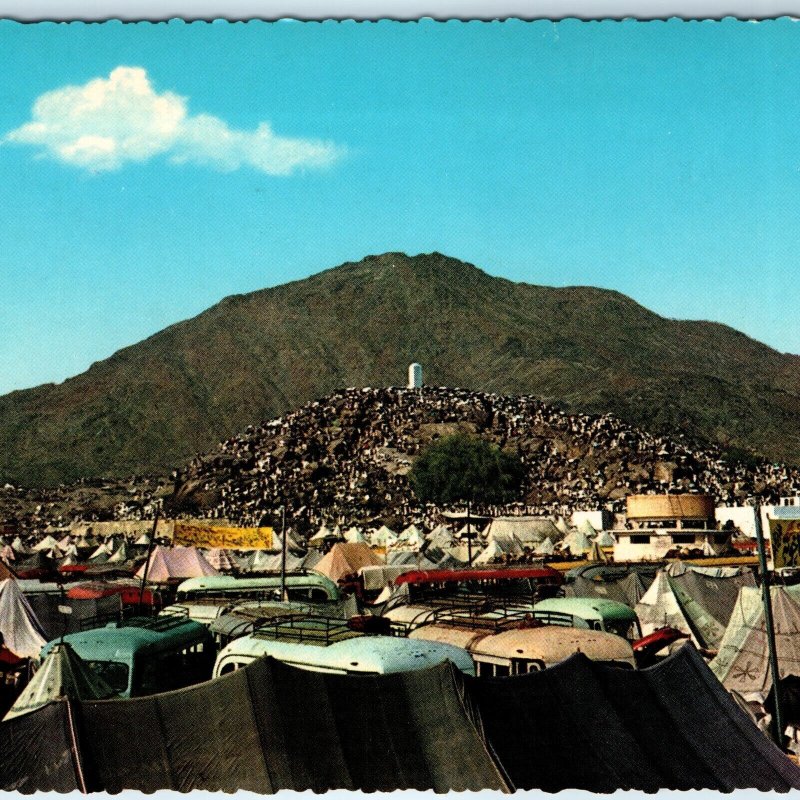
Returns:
point(114, 673)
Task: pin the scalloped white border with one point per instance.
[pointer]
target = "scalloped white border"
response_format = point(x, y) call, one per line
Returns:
point(31, 10)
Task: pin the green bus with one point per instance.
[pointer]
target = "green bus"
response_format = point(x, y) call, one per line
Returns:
point(143, 656)
point(305, 587)
point(589, 612)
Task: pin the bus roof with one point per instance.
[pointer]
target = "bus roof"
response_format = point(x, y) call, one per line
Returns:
point(115, 642)
point(549, 644)
point(594, 608)
point(374, 654)
point(229, 583)
point(461, 575)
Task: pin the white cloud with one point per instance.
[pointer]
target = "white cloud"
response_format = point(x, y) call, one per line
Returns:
point(113, 121)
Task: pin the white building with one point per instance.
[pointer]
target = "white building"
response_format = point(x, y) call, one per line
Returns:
point(415, 376)
point(657, 524)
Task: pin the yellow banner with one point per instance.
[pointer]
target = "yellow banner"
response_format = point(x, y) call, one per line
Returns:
point(784, 535)
point(203, 535)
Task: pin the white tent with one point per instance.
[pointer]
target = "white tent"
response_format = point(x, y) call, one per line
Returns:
point(659, 607)
point(18, 547)
point(488, 554)
point(321, 535)
point(577, 543)
point(742, 663)
point(605, 539)
point(353, 535)
point(545, 548)
point(277, 542)
point(71, 551)
point(120, 555)
point(262, 561)
point(143, 540)
point(441, 536)
point(528, 529)
point(22, 632)
point(55, 553)
point(412, 536)
point(83, 543)
point(383, 537)
point(102, 553)
point(587, 528)
point(562, 525)
point(48, 543)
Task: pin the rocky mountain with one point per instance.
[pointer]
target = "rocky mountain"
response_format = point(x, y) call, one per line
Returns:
point(253, 357)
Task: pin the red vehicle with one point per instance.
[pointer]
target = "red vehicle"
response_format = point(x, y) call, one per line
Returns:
point(130, 592)
point(645, 649)
point(536, 582)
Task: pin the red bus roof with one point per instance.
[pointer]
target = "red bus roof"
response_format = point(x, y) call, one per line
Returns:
point(95, 590)
point(68, 568)
point(460, 575)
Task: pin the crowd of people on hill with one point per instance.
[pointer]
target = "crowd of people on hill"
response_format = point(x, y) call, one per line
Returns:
point(345, 459)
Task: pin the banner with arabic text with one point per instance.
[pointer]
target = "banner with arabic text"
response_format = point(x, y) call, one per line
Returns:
point(198, 534)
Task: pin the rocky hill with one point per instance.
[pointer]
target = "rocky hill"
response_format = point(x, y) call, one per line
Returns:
point(344, 459)
point(253, 357)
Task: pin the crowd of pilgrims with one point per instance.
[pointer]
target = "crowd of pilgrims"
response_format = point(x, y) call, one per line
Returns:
point(344, 459)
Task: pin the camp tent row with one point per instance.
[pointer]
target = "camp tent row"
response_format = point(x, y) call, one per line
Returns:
point(270, 726)
point(693, 600)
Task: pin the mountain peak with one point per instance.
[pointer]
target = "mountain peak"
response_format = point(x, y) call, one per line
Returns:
point(253, 357)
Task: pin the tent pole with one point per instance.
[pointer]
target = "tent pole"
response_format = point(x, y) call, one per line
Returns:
point(283, 553)
point(469, 537)
point(770, 626)
point(149, 554)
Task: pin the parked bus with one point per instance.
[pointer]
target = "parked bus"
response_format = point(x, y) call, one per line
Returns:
point(418, 595)
point(513, 643)
point(323, 645)
point(145, 656)
point(594, 613)
point(531, 582)
point(301, 587)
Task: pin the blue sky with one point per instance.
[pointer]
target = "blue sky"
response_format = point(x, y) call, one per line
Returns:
point(191, 162)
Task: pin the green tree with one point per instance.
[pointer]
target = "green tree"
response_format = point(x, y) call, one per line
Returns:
point(465, 469)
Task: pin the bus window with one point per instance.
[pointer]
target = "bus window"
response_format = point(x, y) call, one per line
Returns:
point(520, 666)
point(501, 670)
point(114, 673)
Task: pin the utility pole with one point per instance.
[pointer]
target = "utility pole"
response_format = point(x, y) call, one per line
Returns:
point(469, 537)
point(149, 554)
point(770, 628)
point(283, 552)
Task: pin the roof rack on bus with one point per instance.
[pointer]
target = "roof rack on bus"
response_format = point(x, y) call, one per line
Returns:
point(308, 629)
point(102, 620)
point(158, 624)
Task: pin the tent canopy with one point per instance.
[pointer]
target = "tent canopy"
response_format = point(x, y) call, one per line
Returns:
point(62, 674)
point(266, 727)
point(347, 559)
point(22, 633)
point(173, 563)
point(742, 663)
